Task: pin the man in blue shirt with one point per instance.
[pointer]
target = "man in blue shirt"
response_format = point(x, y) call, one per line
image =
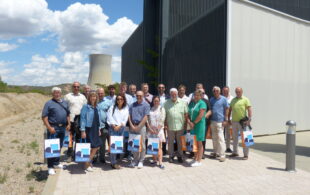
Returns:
point(132, 92)
point(103, 107)
point(56, 118)
point(219, 118)
point(138, 115)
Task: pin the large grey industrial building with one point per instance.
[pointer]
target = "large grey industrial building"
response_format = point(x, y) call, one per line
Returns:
point(261, 45)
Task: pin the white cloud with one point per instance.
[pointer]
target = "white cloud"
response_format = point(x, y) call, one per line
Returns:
point(116, 64)
point(7, 47)
point(21, 40)
point(5, 70)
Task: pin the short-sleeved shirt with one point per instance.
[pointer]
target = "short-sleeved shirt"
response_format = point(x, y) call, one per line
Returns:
point(55, 113)
point(138, 111)
point(194, 109)
point(175, 112)
point(239, 108)
point(103, 107)
point(218, 108)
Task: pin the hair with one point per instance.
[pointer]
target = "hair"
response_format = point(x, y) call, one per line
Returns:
point(216, 88)
point(198, 92)
point(173, 90)
point(132, 85)
point(123, 84)
point(181, 86)
point(161, 84)
point(225, 87)
point(116, 105)
point(154, 97)
point(76, 82)
point(111, 87)
point(92, 93)
point(144, 84)
point(199, 84)
point(56, 89)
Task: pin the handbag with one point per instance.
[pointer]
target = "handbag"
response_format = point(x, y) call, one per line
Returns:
point(247, 137)
point(116, 144)
point(52, 147)
point(134, 143)
point(152, 145)
point(82, 151)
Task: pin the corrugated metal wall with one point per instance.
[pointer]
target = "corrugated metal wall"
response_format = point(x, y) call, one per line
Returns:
point(198, 53)
point(270, 60)
point(183, 12)
point(298, 8)
point(132, 52)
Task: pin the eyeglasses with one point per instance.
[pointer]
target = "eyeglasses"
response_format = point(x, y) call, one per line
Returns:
point(76, 86)
point(139, 95)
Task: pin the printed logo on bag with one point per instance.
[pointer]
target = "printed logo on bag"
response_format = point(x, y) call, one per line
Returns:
point(134, 142)
point(51, 148)
point(82, 152)
point(153, 146)
point(116, 144)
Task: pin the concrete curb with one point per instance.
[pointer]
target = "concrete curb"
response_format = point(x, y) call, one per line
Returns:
point(50, 184)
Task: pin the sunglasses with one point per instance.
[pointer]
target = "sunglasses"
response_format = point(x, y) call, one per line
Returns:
point(76, 86)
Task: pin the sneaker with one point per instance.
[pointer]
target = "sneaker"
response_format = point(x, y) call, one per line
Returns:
point(171, 159)
point(162, 166)
point(69, 159)
point(196, 164)
point(59, 166)
point(222, 159)
point(191, 162)
point(180, 160)
point(89, 169)
point(233, 155)
point(214, 156)
point(116, 166)
point(153, 161)
point(132, 165)
point(245, 158)
point(51, 171)
point(140, 165)
point(228, 150)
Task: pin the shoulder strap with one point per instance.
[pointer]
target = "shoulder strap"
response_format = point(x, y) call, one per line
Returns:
point(68, 112)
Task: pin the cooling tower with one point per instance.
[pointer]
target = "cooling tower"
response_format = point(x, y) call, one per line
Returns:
point(99, 70)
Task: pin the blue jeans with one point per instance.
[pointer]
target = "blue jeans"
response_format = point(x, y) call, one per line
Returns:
point(115, 133)
point(60, 133)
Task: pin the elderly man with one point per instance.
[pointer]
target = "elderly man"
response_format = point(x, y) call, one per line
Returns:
point(240, 107)
point(132, 91)
point(191, 96)
point(103, 107)
point(138, 115)
point(76, 100)
point(147, 96)
point(123, 90)
point(56, 118)
point(176, 117)
point(219, 119)
point(227, 134)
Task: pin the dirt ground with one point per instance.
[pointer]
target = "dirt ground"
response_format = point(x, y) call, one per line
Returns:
point(21, 144)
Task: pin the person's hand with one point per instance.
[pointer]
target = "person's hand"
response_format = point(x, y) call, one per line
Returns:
point(68, 127)
point(83, 135)
point(225, 123)
point(52, 130)
point(99, 132)
point(192, 125)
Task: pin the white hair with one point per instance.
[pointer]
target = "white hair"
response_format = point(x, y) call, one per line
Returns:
point(56, 89)
point(173, 90)
point(216, 88)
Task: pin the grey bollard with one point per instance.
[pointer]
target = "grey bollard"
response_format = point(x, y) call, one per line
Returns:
point(290, 146)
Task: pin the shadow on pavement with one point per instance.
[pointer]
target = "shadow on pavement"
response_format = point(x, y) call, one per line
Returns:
point(281, 148)
point(276, 169)
point(76, 168)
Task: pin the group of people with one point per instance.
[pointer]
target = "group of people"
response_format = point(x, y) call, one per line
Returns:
point(94, 117)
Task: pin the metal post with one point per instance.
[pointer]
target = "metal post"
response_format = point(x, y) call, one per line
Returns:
point(45, 137)
point(290, 146)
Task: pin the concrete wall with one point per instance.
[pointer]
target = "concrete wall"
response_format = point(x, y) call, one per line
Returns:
point(268, 55)
point(99, 70)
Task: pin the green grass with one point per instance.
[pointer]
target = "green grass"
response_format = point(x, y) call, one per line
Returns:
point(28, 165)
point(3, 178)
point(18, 170)
point(34, 145)
point(30, 175)
point(15, 141)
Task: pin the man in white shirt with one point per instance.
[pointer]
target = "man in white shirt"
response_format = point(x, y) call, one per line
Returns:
point(147, 96)
point(182, 93)
point(191, 96)
point(227, 132)
point(123, 90)
point(75, 100)
point(111, 96)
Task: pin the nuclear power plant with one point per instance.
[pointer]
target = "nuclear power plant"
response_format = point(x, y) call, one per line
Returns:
point(99, 70)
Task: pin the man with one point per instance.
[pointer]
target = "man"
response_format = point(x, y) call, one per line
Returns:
point(176, 117)
point(123, 90)
point(181, 93)
point(56, 118)
point(219, 119)
point(86, 91)
point(138, 115)
point(76, 100)
point(227, 134)
point(191, 96)
point(240, 107)
point(111, 96)
point(161, 94)
point(103, 107)
point(132, 92)
point(147, 96)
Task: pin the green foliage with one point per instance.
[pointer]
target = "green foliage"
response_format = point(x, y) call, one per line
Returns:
point(4, 88)
point(3, 178)
point(18, 170)
point(105, 87)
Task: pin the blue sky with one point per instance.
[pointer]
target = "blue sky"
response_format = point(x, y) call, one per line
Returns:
point(48, 42)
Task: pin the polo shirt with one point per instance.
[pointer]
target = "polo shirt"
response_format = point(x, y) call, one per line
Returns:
point(55, 113)
point(175, 112)
point(239, 108)
point(218, 108)
point(138, 111)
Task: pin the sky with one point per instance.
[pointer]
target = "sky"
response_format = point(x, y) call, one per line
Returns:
point(47, 42)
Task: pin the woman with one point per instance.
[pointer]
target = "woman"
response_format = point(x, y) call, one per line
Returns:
point(117, 118)
point(90, 126)
point(156, 128)
point(197, 112)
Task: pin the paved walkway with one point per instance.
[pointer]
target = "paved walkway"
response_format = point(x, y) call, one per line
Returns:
point(258, 175)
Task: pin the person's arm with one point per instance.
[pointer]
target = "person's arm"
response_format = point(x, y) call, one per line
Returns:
point(142, 123)
point(249, 108)
point(48, 126)
point(68, 123)
point(229, 114)
point(225, 123)
point(199, 117)
point(83, 121)
point(110, 119)
point(208, 115)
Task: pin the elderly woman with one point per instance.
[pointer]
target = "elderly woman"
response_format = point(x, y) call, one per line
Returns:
point(156, 127)
point(196, 120)
point(117, 118)
point(90, 126)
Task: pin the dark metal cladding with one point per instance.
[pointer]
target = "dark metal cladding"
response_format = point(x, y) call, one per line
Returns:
point(297, 8)
point(197, 54)
point(132, 52)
